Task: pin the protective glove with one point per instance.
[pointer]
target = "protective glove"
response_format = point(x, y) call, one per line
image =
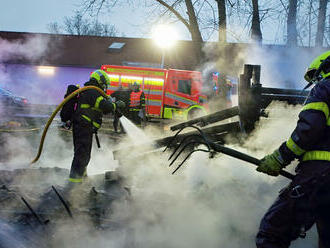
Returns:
point(120, 105)
point(272, 164)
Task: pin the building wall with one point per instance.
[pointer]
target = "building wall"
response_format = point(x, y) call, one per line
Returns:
point(42, 85)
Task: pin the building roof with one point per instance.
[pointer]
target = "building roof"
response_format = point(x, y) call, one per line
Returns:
point(93, 51)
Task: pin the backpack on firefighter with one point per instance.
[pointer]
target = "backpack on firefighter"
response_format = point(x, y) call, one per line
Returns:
point(69, 107)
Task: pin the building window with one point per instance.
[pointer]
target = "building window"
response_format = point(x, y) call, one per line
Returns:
point(184, 87)
point(116, 47)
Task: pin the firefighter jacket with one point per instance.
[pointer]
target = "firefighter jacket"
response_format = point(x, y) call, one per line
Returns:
point(137, 100)
point(310, 139)
point(91, 106)
point(123, 95)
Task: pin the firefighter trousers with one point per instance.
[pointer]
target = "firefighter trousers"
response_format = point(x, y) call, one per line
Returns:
point(82, 142)
point(296, 209)
point(134, 117)
point(116, 122)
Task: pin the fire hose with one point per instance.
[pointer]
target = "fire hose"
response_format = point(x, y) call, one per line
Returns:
point(73, 94)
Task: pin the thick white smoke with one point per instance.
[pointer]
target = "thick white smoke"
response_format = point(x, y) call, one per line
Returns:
point(211, 203)
point(31, 49)
point(281, 67)
point(17, 147)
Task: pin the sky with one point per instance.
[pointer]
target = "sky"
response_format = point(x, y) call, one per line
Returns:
point(34, 15)
point(130, 21)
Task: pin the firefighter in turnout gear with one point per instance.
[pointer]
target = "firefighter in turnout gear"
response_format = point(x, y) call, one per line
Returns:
point(123, 95)
point(137, 105)
point(306, 200)
point(87, 119)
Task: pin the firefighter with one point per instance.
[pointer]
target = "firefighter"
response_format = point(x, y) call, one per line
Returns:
point(224, 92)
point(123, 95)
point(306, 200)
point(87, 120)
point(137, 105)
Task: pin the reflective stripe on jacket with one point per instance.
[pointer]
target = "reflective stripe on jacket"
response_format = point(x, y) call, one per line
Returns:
point(311, 138)
point(91, 106)
point(92, 114)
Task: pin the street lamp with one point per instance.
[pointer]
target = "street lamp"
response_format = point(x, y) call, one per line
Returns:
point(165, 37)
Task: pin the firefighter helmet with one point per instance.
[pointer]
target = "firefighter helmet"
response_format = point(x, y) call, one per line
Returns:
point(319, 68)
point(136, 86)
point(102, 78)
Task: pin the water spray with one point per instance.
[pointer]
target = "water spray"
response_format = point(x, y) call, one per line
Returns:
point(136, 134)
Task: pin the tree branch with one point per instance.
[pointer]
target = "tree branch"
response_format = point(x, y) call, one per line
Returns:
point(177, 14)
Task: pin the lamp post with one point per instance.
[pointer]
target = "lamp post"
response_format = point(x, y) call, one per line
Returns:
point(163, 58)
point(165, 37)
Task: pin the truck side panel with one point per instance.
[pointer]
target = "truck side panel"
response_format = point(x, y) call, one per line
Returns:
point(151, 81)
point(153, 90)
point(182, 92)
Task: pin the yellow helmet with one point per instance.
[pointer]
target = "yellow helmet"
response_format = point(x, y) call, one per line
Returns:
point(102, 78)
point(319, 68)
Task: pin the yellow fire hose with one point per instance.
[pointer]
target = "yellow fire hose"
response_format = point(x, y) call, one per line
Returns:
point(58, 109)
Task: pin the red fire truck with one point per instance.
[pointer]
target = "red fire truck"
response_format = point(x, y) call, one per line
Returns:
point(169, 93)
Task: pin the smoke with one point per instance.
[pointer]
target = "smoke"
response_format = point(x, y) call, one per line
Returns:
point(211, 203)
point(281, 67)
point(31, 49)
point(17, 147)
point(20, 78)
point(226, 59)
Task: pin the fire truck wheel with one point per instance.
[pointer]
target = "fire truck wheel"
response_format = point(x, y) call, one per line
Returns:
point(194, 113)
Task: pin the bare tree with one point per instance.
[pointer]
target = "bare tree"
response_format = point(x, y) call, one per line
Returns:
point(188, 12)
point(222, 16)
point(292, 23)
point(54, 28)
point(321, 23)
point(306, 21)
point(191, 24)
point(256, 34)
point(78, 25)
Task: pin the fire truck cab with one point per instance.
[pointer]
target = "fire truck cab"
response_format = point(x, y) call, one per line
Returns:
point(169, 93)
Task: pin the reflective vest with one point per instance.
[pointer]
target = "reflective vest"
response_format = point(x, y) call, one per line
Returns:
point(135, 99)
point(92, 114)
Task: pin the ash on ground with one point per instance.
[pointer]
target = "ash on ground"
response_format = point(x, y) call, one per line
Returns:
point(40, 208)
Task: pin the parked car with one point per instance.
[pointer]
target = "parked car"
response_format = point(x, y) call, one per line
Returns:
point(7, 98)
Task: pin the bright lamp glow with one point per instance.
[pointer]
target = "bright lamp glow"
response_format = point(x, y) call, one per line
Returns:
point(164, 36)
point(46, 70)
